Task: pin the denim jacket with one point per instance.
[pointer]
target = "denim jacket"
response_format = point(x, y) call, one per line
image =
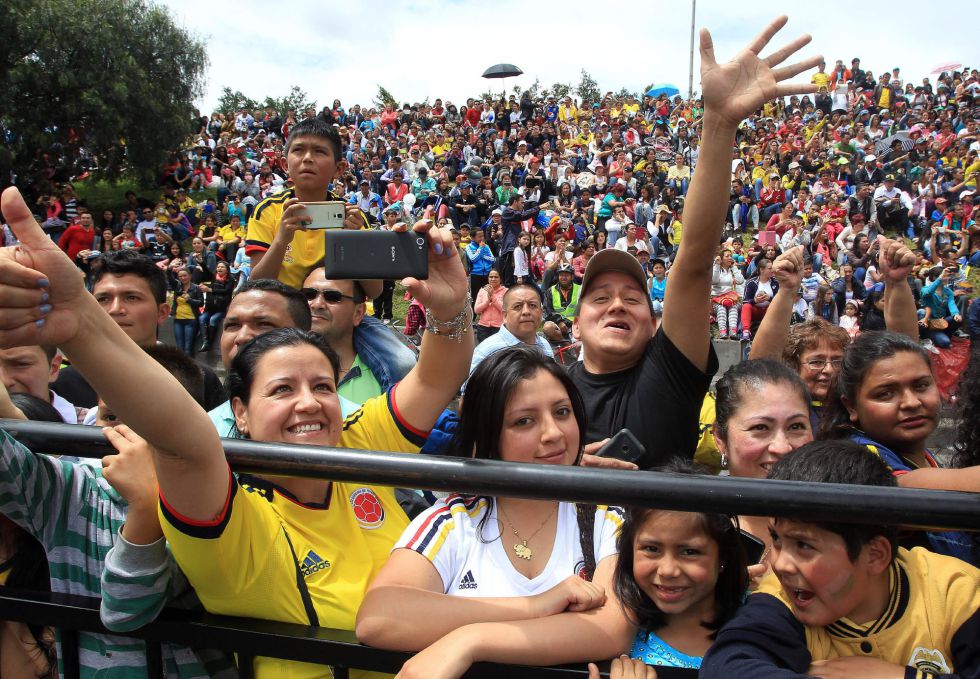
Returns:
point(382, 352)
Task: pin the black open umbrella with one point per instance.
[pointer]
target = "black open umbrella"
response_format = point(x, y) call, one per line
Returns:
point(502, 71)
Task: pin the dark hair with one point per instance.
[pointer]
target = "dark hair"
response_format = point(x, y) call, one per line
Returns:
point(839, 462)
point(124, 262)
point(316, 127)
point(521, 286)
point(34, 408)
point(872, 318)
point(27, 567)
point(481, 418)
point(245, 363)
point(733, 577)
point(296, 304)
point(731, 388)
point(863, 354)
point(967, 448)
point(184, 368)
point(481, 414)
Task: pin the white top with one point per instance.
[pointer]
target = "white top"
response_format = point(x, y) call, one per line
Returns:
point(476, 565)
point(65, 408)
point(640, 245)
point(521, 264)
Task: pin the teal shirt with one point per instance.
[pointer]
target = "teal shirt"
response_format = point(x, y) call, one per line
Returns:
point(359, 384)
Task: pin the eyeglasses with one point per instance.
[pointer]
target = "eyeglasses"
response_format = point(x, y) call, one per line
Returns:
point(329, 296)
point(819, 363)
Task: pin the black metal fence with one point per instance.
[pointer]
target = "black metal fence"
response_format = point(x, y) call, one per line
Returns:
point(249, 638)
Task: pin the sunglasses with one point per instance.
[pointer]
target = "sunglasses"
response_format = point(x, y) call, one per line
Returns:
point(329, 296)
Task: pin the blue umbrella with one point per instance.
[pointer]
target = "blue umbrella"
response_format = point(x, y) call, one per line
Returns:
point(663, 88)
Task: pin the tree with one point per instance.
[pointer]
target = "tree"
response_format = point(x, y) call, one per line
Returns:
point(588, 88)
point(297, 100)
point(625, 93)
point(233, 102)
point(561, 90)
point(112, 80)
point(385, 97)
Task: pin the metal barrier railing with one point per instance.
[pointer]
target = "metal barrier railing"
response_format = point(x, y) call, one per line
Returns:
point(821, 502)
point(683, 492)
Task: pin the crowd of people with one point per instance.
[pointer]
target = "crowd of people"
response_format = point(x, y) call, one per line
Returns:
point(828, 225)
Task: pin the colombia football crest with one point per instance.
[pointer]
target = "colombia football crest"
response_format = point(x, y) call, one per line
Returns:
point(368, 509)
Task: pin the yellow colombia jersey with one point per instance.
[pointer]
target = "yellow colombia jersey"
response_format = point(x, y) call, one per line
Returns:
point(242, 563)
point(303, 254)
point(932, 598)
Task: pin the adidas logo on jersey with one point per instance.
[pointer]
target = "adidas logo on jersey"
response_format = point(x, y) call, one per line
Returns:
point(468, 581)
point(312, 564)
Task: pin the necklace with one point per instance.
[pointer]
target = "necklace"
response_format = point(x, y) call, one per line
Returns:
point(520, 547)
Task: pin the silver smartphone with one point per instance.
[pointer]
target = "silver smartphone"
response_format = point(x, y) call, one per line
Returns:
point(328, 214)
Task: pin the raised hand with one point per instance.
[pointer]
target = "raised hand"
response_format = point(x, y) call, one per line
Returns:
point(446, 291)
point(787, 269)
point(895, 260)
point(42, 293)
point(738, 88)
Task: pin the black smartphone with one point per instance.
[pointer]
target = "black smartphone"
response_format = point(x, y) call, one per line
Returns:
point(376, 254)
point(623, 446)
point(754, 548)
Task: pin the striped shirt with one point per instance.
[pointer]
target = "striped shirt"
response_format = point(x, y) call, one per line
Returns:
point(76, 516)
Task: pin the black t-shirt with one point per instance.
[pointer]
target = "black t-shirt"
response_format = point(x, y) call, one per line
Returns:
point(71, 386)
point(658, 400)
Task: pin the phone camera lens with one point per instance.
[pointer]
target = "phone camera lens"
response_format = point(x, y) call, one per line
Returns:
point(420, 241)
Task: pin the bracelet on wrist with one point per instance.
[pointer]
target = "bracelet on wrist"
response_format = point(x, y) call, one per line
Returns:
point(455, 328)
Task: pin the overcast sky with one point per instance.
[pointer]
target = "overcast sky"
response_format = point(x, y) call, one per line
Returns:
point(420, 49)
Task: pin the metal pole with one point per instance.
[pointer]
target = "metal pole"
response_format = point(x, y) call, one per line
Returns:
point(682, 492)
point(690, 66)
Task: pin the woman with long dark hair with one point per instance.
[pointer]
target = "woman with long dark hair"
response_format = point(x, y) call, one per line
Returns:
point(521, 577)
point(283, 390)
point(886, 399)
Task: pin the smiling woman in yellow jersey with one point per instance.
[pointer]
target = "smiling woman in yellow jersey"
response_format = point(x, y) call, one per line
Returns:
point(294, 550)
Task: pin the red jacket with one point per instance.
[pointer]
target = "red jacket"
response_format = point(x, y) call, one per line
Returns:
point(75, 239)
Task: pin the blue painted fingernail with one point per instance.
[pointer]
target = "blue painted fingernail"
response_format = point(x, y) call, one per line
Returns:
point(438, 248)
point(45, 297)
point(43, 283)
point(39, 322)
point(45, 309)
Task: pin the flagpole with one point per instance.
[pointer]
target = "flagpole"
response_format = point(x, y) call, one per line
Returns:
point(690, 67)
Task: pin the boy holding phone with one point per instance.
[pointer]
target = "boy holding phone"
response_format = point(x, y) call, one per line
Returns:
point(277, 238)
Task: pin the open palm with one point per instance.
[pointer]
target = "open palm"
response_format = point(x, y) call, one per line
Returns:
point(446, 289)
point(21, 296)
point(737, 89)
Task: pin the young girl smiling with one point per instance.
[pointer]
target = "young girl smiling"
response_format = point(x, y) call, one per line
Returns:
point(680, 577)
